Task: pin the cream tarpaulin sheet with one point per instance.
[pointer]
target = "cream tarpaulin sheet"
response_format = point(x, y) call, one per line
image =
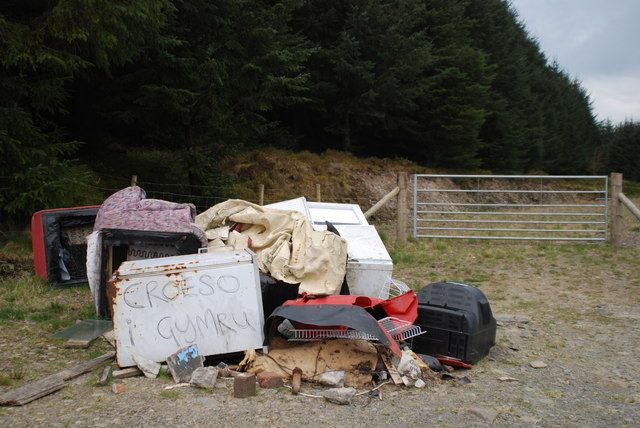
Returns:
point(287, 246)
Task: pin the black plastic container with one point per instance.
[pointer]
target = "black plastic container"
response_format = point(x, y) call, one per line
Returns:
point(458, 322)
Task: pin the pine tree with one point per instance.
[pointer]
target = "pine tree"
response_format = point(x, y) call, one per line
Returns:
point(43, 46)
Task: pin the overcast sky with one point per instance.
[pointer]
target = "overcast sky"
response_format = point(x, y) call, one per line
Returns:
point(597, 41)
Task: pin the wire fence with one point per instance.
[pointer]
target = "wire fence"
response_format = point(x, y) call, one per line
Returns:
point(204, 198)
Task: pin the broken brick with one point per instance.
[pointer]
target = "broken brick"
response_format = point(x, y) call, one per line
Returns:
point(268, 380)
point(244, 385)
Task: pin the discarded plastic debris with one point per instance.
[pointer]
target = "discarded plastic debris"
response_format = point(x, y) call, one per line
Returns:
point(183, 363)
point(332, 378)
point(408, 367)
point(349, 317)
point(148, 367)
point(458, 321)
point(453, 362)
point(339, 395)
point(83, 332)
point(433, 362)
point(58, 240)
point(419, 383)
point(204, 377)
point(244, 385)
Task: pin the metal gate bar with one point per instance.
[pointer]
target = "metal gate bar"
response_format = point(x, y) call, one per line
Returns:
point(539, 207)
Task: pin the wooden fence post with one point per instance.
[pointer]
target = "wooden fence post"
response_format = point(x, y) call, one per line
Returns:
point(134, 180)
point(261, 193)
point(401, 227)
point(616, 208)
point(318, 195)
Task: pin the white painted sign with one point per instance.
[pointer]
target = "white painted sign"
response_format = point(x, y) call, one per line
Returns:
point(162, 305)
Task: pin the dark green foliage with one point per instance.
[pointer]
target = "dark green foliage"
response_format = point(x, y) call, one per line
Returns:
point(393, 78)
point(457, 84)
point(625, 149)
point(43, 47)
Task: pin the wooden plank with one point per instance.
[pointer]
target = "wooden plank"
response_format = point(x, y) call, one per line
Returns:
point(616, 210)
point(110, 337)
point(125, 373)
point(32, 391)
point(261, 195)
point(401, 227)
point(77, 343)
point(86, 366)
point(630, 205)
point(386, 198)
point(385, 356)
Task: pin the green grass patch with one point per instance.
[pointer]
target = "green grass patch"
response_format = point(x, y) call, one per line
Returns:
point(171, 394)
point(16, 243)
point(8, 312)
point(28, 298)
point(5, 380)
point(404, 256)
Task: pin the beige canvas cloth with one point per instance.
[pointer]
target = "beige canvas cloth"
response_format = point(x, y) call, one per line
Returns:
point(287, 246)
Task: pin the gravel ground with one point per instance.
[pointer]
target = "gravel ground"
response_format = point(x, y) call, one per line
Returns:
point(583, 309)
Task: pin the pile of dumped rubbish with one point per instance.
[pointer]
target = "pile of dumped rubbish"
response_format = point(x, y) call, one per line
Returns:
point(296, 294)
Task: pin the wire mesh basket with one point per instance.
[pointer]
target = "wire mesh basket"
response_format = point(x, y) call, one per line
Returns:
point(392, 288)
point(399, 329)
point(308, 335)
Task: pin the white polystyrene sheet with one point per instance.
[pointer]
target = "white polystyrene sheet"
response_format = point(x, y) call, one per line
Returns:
point(364, 243)
point(297, 204)
point(209, 299)
point(336, 214)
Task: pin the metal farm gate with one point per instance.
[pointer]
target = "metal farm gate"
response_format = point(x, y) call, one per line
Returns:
point(513, 207)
